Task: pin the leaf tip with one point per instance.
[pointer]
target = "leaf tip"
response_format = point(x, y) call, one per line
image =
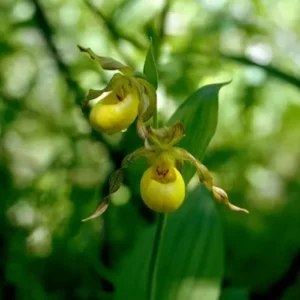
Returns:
point(150, 68)
point(221, 84)
point(227, 82)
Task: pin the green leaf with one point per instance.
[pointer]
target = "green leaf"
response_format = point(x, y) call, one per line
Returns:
point(107, 63)
point(199, 115)
point(150, 69)
point(235, 293)
point(192, 255)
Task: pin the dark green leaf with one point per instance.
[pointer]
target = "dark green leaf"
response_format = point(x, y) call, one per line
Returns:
point(6, 48)
point(199, 115)
point(150, 69)
point(235, 293)
point(191, 261)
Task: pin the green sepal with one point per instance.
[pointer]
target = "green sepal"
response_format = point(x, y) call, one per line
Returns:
point(116, 179)
point(114, 84)
point(141, 129)
point(92, 94)
point(150, 69)
point(140, 75)
point(148, 103)
point(202, 172)
point(165, 137)
point(204, 177)
point(221, 196)
point(101, 208)
point(107, 63)
point(179, 164)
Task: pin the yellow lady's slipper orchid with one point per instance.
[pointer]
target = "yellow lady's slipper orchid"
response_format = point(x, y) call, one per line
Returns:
point(162, 186)
point(131, 95)
point(115, 112)
point(127, 99)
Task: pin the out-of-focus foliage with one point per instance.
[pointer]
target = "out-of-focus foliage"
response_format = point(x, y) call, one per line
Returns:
point(53, 169)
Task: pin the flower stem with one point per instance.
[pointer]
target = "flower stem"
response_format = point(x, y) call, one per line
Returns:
point(155, 123)
point(160, 227)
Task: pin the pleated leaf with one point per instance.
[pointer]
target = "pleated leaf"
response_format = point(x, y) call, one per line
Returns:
point(199, 115)
point(191, 260)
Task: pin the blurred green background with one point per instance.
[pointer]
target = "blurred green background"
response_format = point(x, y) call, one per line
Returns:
point(54, 170)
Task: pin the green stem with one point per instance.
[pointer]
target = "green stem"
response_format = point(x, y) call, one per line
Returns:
point(152, 279)
point(154, 123)
point(160, 228)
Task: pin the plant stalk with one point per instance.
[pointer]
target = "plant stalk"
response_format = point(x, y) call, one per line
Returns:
point(155, 123)
point(152, 279)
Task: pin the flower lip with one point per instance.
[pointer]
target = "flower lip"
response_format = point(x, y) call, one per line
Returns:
point(115, 112)
point(163, 168)
point(163, 175)
point(162, 196)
